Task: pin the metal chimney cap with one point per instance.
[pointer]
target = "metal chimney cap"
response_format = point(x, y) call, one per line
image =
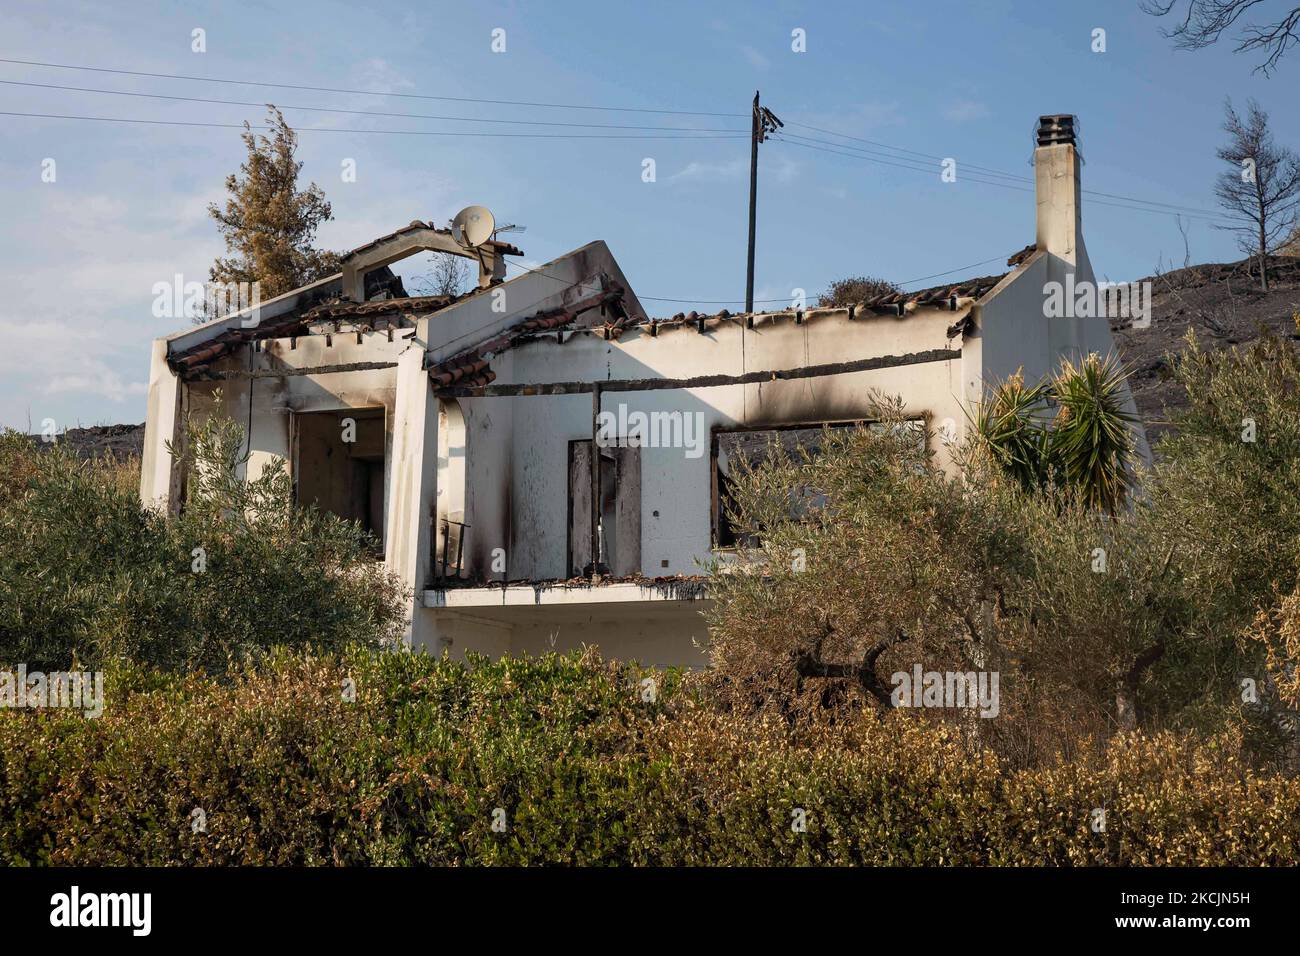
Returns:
point(1057, 128)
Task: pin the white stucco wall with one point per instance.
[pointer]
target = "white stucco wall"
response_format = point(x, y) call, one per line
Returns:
point(1016, 333)
point(519, 446)
point(513, 488)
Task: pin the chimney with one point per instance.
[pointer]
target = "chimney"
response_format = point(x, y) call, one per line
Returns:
point(1056, 186)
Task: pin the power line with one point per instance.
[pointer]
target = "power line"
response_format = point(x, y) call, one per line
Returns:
point(1174, 211)
point(331, 109)
point(389, 132)
point(680, 301)
point(929, 170)
point(329, 89)
point(841, 149)
point(901, 149)
point(652, 298)
point(951, 271)
point(794, 137)
point(902, 162)
point(831, 132)
point(986, 170)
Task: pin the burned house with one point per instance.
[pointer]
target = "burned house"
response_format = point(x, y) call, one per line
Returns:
point(482, 437)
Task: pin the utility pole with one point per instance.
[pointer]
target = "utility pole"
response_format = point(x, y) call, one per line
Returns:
point(764, 121)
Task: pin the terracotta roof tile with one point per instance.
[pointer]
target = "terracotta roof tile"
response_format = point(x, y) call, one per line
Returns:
point(414, 226)
point(344, 308)
point(1022, 255)
point(892, 302)
point(193, 361)
point(470, 366)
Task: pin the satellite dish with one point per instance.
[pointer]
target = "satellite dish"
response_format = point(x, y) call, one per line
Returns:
point(473, 225)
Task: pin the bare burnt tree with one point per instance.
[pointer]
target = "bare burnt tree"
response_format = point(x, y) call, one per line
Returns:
point(448, 276)
point(1262, 189)
point(1187, 245)
point(1206, 21)
point(1217, 313)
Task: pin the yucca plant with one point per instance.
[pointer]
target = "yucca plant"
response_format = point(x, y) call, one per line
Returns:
point(1087, 446)
point(1092, 436)
point(1010, 429)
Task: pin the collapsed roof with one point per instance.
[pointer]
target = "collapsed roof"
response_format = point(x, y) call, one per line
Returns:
point(324, 308)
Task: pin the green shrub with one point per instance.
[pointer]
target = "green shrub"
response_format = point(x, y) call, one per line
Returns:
point(853, 290)
point(88, 574)
point(287, 771)
point(1096, 617)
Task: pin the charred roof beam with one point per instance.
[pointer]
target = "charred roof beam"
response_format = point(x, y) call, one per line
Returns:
point(421, 237)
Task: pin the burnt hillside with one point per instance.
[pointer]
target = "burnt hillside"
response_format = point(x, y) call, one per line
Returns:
point(117, 441)
point(1223, 304)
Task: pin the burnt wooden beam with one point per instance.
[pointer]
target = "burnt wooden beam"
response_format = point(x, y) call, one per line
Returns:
point(595, 481)
point(289, 372)
point(551, 320)
point(706, 381)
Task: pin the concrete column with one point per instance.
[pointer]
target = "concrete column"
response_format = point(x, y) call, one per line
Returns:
point(160, 478)
point(413, 493)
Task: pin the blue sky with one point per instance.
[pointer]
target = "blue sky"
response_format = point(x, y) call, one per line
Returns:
point(964, 79)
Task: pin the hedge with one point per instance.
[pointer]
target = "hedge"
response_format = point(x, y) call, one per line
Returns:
point(400, 759)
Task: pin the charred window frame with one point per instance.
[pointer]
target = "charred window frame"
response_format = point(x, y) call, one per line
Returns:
point(450, 528)
point(723, 535)
point(347, 479)
point(620, 509)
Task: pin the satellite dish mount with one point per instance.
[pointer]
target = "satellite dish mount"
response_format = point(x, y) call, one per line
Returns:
point(473, 226)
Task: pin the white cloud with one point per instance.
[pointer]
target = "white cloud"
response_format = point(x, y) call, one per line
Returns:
point(97, 380)
point(715, 172)
point(756, 59)
point(963, 111)
point(857, 120)
point(57, 357)
point(379, 76)
point(95, 254)
point(772, 168)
